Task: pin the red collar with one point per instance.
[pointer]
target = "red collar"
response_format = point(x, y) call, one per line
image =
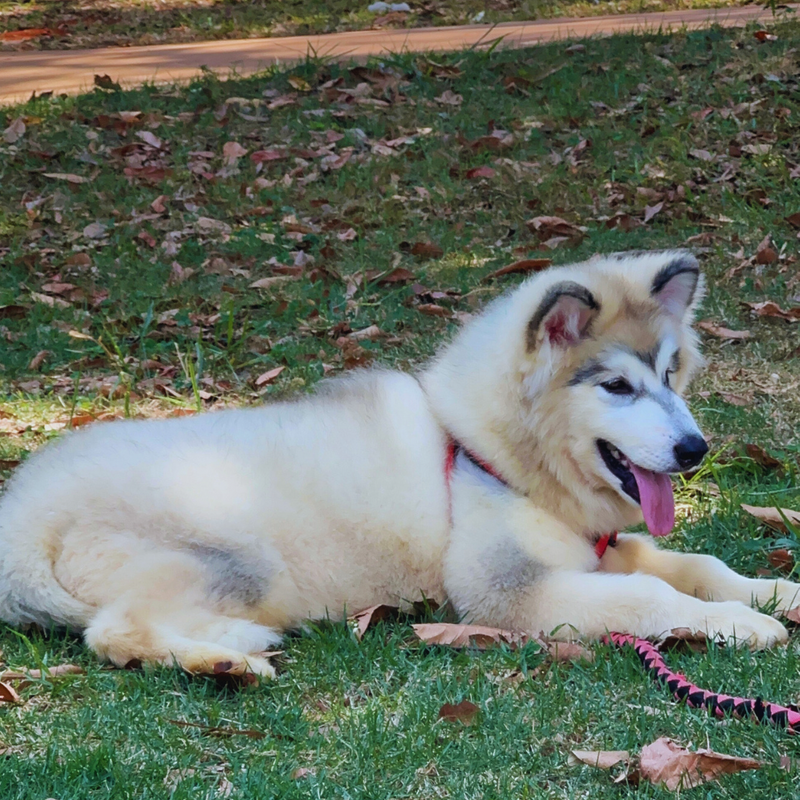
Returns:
point(602, 544)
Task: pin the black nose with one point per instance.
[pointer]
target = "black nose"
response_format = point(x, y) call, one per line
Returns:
point(690, 450)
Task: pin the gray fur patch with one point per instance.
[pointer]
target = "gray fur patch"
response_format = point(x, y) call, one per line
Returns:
point(234, 575)
point(587, 372)
point(510, 569)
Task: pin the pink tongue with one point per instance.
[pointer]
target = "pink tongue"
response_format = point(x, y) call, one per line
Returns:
point(658, 502)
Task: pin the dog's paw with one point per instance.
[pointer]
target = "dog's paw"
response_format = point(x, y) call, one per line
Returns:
point(737, 624)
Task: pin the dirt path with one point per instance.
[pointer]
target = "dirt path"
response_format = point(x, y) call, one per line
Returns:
point(71, 71)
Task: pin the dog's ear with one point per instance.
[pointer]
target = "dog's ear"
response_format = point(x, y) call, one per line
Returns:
point(676, 283)
point(564, 316)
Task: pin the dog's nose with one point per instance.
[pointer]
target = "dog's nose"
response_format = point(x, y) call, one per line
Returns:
point(690, 450)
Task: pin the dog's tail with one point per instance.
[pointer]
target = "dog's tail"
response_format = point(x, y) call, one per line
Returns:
point(31, 594)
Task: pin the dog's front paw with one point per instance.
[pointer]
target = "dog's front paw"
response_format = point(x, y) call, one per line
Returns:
point(737, 624)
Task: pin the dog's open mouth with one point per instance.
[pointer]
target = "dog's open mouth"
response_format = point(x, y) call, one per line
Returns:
point(652, 490)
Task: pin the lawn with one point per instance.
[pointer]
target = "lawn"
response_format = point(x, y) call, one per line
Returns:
point(165, 250)
point(55, 24)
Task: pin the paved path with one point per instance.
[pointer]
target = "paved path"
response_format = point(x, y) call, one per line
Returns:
point(22, 73)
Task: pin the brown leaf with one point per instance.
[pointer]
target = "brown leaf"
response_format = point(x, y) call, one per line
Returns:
point(770, 309)
point(24, 34)
point(274, 280)
point(651, 211)
point(701, 155)
point(215, 731)
point(49, 672)
point(684, 639)
point(793, 614)
point(66, 176)
point(547, 227)
point(479, 636)
point(158, 205)
point(105, 82)
point(8, 694)
point(525, 265)
point(82, 260)
point(603, 759)
point(364, 619)
point(568, 651)
point(268, 376)
point(665, 762)
point(449, 98)
point(232, 152)
point(433, 310)
point(782, 560)
point(765, 253)
point(347, 236)
point(398, 275)
point(765, 36)
point(463, 712)
point(147, 238)
point(371, 333)
point(480, 172)
point(762, 457)
point(721, 332)
point(772, 517)
point(38, 360)
point(15, 131)
point(302, 772)
point(260, 156)
point(794, 219)
point(426, 250)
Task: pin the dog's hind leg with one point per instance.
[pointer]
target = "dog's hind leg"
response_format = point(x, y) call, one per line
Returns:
point(168, 608)
point(192, 637)
point(698, 575)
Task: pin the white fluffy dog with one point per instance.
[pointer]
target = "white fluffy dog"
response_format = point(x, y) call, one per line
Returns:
point(494, 477)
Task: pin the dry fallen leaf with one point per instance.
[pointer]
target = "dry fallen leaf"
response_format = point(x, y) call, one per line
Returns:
point(66, 176)
point(794, 219)
point(24, 34)
point(463, 712)
point(426, 250)
point(781, 559)
point(549, 227)
point(568, 651)
point(603, 759)
point(216, 731)
point(95, 230)
point(8, 694)
point(722, 332)
point(232, 152)
point(684, 638)
point(365, 618)
point(449, 98)
point(772, 517)
point(479, 636)
point(269, 376)
point(480, 172)
point(372, 333)
point(665, 762)
point(651, 211)
point(433, 310)
point(525, 265)
point(765, 252)
point(770, 309)
point(15, 131)
point(38, 360)
point(762, 457)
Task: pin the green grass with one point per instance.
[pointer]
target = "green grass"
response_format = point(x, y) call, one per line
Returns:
point(99, 23)
point(363, 716)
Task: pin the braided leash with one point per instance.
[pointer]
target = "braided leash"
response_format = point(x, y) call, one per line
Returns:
point(695, 697)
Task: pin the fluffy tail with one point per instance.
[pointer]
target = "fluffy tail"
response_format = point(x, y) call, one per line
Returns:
point(31, 594)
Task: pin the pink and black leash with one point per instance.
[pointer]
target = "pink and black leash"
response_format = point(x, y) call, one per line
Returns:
point(719, 704)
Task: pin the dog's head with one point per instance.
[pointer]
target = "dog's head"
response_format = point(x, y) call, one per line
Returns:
point(578, 376)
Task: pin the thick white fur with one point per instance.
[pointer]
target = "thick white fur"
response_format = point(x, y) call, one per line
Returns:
point(200, 539)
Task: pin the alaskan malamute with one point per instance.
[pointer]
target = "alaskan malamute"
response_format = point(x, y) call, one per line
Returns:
point(496, 477)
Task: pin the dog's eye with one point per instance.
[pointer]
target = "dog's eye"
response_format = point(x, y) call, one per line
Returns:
point(668, 377)
point(618, 386)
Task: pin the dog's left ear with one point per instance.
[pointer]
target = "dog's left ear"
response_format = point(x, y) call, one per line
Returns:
point(564, 316)
point(675, 285)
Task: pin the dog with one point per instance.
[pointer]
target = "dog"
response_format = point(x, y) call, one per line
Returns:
point(496, 477)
